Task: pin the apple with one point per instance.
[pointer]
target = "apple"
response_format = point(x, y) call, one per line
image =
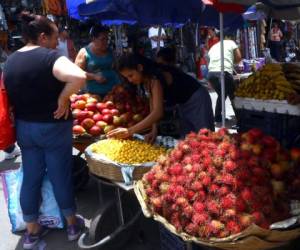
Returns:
point(277, 171)
point(91, 106)
point(108, 128)
point(126, 117)
point(108, 118)
point(295, 154)
point(90, 114)
point(101, 124)
point(117, 120)
point(137, 117)
point(75, 112)
point(92, 100)
point(78, 130)
point(278, 187)
point(87, 123)
point(95, 130)
point(257, 149)
point(115, 112)
point(80, 104)
point(73, 98)
point(109, 104)
point(84, 97)
point(98, 117)
point(82, 115)
point(106, 112)
point(127, 107)
point(75, 122)
point(73, 105)
point(101, 106)
point(120, 107)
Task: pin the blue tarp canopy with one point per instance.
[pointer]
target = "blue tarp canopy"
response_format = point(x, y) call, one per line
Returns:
point(145, 12)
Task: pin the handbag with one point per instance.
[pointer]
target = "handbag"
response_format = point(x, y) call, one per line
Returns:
point(7, 131)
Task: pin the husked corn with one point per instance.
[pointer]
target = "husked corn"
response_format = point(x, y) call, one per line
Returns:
point(128, 151)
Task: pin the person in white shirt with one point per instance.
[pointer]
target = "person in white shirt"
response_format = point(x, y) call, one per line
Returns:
point(232, 55)
point(65, 44)
point(153, 34)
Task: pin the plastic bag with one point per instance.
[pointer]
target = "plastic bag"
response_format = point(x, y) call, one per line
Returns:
point(50, 215)
point(7, 131)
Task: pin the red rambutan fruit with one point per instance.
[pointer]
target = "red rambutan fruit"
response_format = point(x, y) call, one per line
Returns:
point(230, 166)
point(199, 207)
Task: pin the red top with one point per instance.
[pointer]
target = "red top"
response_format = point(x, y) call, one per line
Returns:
point(212, 41)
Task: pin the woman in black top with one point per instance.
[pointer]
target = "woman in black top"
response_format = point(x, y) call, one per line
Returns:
point(39, 82)
point(172, 85)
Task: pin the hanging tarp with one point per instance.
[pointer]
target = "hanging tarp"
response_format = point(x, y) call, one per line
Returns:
point(54, 7)
point(72, 7)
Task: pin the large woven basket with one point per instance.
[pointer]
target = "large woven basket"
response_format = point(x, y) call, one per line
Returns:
point(111, 171)
point(253, 238)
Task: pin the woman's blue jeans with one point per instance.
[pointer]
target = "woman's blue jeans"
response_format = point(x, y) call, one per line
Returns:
point(46, 147)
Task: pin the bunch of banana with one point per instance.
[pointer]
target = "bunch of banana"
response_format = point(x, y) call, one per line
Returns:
point(292, 74)
point(268, 83)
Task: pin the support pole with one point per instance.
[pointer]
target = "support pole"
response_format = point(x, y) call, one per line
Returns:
point(222, 69)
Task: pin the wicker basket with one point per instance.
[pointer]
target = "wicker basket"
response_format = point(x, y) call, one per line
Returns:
point(111, 171)
point(253, 238)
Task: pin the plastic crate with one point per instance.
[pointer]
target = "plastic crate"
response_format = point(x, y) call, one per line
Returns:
point(285, 128)
point(169, 241)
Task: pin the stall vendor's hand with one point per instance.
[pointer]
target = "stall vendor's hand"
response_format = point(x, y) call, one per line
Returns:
point(99, 78)
point(150, 137)
point(63, 108)
point(119, 133)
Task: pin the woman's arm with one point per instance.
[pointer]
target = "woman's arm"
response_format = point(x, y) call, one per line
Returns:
point(155, 114)
point(81, 62)
point(74, 77)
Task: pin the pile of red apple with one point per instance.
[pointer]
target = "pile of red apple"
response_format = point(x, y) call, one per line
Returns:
point(216, 184)
point(95, 118)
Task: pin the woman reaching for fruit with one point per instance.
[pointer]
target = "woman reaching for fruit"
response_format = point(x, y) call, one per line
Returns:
point(39, 82)
point(98, 60)
point(172, 85)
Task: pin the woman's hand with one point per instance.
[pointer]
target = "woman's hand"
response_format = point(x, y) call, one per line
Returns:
point(150, 137)
point(63, 108)
point(99, 78)
point(119, 133)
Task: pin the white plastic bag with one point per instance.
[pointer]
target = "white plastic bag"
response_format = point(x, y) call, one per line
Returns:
point(50, 214)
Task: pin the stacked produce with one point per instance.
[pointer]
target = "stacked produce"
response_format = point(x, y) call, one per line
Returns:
point(292, 74)
point(128, 151)
point(270, 83)
point(214, 184)
point(120, 108)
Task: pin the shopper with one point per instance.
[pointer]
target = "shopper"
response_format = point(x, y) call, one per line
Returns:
point(65, 44)
point(172, 85)
point(212, 38)
point(232, 55)
point(39, 82)
point(97, 59)
point(156, 38)
point(275, 42)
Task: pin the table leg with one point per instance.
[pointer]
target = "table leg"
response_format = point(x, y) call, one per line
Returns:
point(119, 205)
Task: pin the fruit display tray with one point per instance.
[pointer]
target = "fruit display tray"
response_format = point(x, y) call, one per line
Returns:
point(272, 106)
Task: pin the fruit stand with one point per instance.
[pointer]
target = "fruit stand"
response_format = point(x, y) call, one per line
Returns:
point(262, 101)
point(115, 164)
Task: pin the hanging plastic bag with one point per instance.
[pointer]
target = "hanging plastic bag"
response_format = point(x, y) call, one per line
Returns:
point(7, 131)
point(50, 215)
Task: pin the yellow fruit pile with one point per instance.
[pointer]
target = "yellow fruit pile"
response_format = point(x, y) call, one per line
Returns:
point(268, 83)
point(128, 151)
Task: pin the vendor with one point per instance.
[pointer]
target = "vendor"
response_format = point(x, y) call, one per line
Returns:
point(170, 84)
point(97, 60)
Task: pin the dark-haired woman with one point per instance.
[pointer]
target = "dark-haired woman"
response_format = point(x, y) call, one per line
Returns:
point(39, 82)
point(172, 85)
point(97, 60)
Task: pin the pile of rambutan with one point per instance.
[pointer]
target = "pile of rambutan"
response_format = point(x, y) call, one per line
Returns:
point(216, 184)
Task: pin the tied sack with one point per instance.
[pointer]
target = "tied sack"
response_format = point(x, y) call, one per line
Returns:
point(7, 131)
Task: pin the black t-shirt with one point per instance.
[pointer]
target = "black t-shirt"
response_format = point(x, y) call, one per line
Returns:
point(182, 87)
point(32, 89)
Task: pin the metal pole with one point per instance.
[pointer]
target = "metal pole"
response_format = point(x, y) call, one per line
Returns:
point(119, 204)
point(222, 69)
point(159, 37)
